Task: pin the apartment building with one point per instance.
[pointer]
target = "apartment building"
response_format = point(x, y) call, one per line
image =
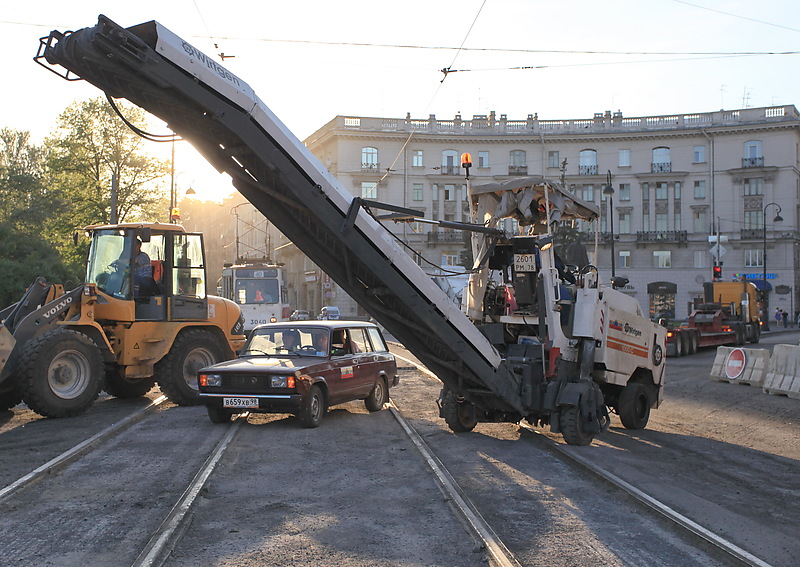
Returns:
point(690, 191)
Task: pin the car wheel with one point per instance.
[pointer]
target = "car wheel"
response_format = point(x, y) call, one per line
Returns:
point(378, 396)
point(219, 415)
point(313, 409)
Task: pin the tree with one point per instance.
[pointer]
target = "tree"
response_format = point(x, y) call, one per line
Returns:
point(91, 145)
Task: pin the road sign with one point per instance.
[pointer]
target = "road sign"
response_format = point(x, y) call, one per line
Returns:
point(717, 251)
point(734, 363)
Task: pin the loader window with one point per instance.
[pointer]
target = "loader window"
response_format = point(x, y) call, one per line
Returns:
point(108, 262)
point(189, 270)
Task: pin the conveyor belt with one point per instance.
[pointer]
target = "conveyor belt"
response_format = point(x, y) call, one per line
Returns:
point(223, 118)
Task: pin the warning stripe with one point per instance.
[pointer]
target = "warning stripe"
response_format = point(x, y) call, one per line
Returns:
point(627, 347)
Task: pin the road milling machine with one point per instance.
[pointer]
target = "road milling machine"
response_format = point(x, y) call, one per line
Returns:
point(561, 356)
point(142, 317)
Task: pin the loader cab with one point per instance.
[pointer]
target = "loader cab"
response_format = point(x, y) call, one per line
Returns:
point(156, 272)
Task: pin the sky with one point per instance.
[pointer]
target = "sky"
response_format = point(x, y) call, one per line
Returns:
point(312, 60)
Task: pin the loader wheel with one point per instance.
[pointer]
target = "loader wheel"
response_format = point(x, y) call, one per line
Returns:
point(459, 416)
point(60, 373)
point(119, 387)
point(176, 373)
point(633, 406)
point(572, 427)
point(9, 399)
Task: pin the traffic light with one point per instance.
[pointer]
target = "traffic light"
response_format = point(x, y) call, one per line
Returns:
point(718, 272)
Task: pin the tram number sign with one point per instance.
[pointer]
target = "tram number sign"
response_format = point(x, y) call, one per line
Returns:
point(734, 363)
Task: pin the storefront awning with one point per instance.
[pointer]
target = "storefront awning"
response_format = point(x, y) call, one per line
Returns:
point(760, 284)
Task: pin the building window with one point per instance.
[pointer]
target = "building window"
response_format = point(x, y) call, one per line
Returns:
point(450, 259)
point(754, 258)
point(417, 192)
point(699, 223)
point(369, 159)
point(678, 188)
point(700, 258)
point(588, 193)
point(700, 189)
point(678, 224)
point(661, 161)
point(661, 190)
point(435, 192)
point(662, 222)
point(645, 192)
point(552, 159)
point(624, 158)
point(753, 220)
point(662, 259)
point(624, 191)
point(517, 162)
point(449, 192)
point(483, 159)
point(624, 223)
point(646, 222)
point(416, 158)
point(369, 190)
point(450, 162)
point(754, 186)
point(753, 157)
point(699, 154)
point(588, 162)
point(624, 258)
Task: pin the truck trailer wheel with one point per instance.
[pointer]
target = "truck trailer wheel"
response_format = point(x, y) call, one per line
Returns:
point(572, 427)
point(459, 416)
point(119, 387)
point(176, 373)
point(633, 406)
point(60, 373)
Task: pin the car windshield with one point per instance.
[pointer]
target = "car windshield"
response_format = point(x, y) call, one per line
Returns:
point(288, 340)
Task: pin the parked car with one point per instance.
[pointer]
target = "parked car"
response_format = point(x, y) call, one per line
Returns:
point(330, 312)
point(302, 368)
point(300, 315)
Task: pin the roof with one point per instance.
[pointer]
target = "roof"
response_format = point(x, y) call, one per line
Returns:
point(318, 323)
point(151, 225)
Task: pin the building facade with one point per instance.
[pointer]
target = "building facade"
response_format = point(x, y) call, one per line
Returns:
point(690, 191)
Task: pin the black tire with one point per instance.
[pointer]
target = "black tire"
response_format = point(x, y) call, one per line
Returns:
point(679, 344)
point(633, 407)
point(693, 341)
point(459, 416)
point(219, 415)
point(119, 387)
point(9, 399)
point(313, 409)
point(756, 327)
point(60, 373)
point(378, 396)
point(176, 373)
point(572, 428)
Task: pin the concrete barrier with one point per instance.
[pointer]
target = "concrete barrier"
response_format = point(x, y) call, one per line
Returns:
point(783, 376)
point(740, 366)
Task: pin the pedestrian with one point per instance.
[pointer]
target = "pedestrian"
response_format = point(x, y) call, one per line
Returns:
point(777, 317)
point(785, 317)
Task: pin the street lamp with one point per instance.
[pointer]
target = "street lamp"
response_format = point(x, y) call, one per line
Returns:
point(609, 190)
point(778, 218)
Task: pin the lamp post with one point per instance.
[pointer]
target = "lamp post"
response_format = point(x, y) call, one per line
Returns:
point(609, 190)
point(778, 218)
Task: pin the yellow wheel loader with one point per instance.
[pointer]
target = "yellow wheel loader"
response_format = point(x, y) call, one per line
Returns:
point(142, 317)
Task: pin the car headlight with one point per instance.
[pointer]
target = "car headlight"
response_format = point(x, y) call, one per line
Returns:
point(210, 380)
point(281, 381)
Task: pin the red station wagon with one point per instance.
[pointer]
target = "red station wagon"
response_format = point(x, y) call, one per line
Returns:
point(303, 368)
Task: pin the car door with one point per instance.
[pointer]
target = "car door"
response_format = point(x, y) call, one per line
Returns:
point(342, 383)
point(366, 368)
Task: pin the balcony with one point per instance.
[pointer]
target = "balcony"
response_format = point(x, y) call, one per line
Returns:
point(370, 167)
point(679, 237)
point(445, 237)
point(751, 234)
point(587, 170)
point(449, 170)
point(665, 167)
point(518, 170)
point(752, 162)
